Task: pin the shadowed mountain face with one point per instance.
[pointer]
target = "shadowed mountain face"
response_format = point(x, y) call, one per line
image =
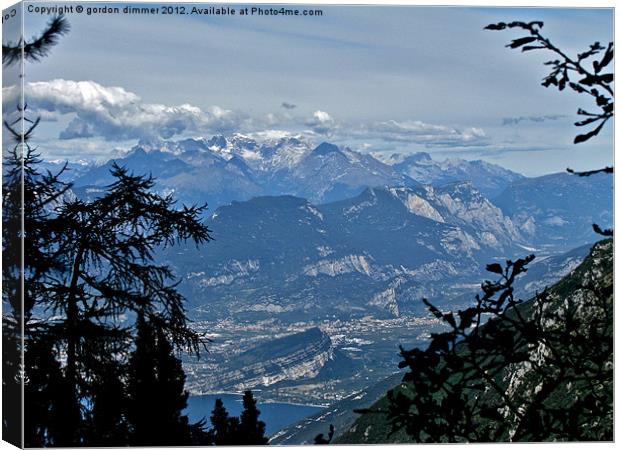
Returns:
point(377, 253)
point(558, 210)
point(195, 176)
point(352, 235)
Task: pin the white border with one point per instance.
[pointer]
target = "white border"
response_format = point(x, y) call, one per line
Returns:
point(483, 3)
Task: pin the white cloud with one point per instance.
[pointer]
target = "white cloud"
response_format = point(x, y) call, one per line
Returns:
point(117, 114)
point(86, 110)
point(418, 132)
point(322, 123)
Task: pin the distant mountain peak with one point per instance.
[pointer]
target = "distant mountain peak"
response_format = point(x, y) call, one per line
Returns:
point(490, 179)
point(218, 141)
point(419, 156)
point(325, 148)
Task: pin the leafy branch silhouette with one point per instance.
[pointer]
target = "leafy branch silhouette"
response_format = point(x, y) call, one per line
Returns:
point(572, 72)
point(320, 438)
point(592, 82)
point(511, 370)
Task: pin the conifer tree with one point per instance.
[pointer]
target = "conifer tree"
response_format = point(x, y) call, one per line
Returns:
point(234, 432)
point(142, 386)
point(231, 430)
point(172, 396)
point(153, 368)
point(87, 265)
point(44, 394)
point(44, 377)
point(109, 247)
point(220, 424)
point(108, 425)
point(252, 430)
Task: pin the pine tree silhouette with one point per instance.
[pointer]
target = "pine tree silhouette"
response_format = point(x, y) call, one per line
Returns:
point(153, 368)
point(220, 424)
point(108, 250)
point(252, 430)
point(142, 385)
point(172, 396)
point(44, 380)
point(89, 264)
point(108, 426)
point(234, 431)
point(231, 430)
point(11, 384)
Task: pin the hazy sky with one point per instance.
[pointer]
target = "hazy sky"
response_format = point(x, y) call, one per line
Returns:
point(380, 79)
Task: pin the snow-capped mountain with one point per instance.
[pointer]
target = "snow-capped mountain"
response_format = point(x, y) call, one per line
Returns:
point(554, 212)
point(271, 154)
point(490, 179)
point(189, 170)
point(222, 169)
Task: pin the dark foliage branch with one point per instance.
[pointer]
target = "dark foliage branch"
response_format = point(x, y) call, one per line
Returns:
point(28, 197)
point(608, 170)
point(573, 72)
point(457, 389)
point(320, 438)
point(37, 48)
point(607, 232)
point(588, 173)
point(22, 136)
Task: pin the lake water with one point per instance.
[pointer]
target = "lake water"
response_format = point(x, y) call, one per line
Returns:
point(275, 415)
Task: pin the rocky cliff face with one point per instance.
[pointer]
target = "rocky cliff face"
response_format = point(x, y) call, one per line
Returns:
point(365, 255)
point(297, 356)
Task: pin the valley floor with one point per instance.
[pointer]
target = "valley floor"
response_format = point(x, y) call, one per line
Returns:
point(361, 353)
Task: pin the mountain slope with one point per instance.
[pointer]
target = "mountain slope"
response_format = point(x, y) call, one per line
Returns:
point(558, 210)
point(571, 297)
point(194, 174)
point(371, 254)
point(330, 173)
point(223, 169)
point(490, 179)
point(299, 355)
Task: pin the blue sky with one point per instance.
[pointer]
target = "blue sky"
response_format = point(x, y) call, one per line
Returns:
point(378, 79)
